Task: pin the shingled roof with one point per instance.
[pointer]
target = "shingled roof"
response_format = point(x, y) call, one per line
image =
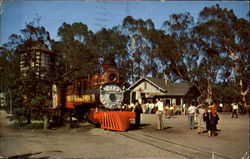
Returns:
point(170, 89)
point(179, 89)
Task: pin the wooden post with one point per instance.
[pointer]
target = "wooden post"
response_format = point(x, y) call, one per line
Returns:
point(46, 122)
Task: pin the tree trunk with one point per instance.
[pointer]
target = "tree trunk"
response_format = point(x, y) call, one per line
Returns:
point(209, 89)
point(10, 101)
point(243, 94)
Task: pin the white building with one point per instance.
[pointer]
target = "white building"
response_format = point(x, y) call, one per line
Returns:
point(147, 88)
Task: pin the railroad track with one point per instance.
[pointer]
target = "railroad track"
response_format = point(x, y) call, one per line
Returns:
point(177, 149)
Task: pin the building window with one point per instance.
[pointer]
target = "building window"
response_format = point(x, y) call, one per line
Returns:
point(145, 85)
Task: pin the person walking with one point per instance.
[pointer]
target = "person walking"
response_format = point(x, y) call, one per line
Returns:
point(159, 113)
point(200, 118)
point(138, 111)
point(210, 121)
point(216, 120)
point(191, 111)
point(235, 110)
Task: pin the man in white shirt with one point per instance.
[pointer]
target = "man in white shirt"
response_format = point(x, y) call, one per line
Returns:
point(235, 110)
point(191, 111)
point(159, 113)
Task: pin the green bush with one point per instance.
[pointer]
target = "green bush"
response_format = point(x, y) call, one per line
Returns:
point(33, 125)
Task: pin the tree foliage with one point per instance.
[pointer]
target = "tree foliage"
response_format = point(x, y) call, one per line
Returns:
point(75, 50)
point(26, 92)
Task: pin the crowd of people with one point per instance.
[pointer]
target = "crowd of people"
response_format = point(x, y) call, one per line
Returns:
point(151, 108)
point(206, 116)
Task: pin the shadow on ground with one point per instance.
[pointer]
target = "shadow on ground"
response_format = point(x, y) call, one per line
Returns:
point(27, 155)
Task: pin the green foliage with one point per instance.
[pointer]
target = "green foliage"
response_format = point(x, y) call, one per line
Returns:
point(34, 125)
point(225, 93)
point(75, 50)
point(110, 43)
point(27, 93)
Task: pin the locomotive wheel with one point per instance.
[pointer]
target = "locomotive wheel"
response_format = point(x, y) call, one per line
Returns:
point(78, 113)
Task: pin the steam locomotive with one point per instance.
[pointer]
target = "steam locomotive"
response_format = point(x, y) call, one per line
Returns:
point(99, 93)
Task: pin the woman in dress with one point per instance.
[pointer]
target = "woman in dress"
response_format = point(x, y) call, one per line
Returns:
point(210, 121)
point(201, 124)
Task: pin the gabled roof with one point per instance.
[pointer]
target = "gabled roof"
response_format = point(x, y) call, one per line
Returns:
point(158, 83)
point(170, 89)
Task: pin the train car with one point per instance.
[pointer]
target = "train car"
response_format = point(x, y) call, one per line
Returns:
point(99, 99)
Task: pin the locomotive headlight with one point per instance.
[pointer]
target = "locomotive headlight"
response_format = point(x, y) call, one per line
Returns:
point(113, 77)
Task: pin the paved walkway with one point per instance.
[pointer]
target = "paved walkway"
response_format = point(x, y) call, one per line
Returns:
point(232, 139)
point(175, 141)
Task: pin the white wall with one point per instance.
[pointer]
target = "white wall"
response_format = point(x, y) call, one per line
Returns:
point(149, 89)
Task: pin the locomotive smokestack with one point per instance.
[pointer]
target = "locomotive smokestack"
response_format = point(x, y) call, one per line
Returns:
point(109, 62)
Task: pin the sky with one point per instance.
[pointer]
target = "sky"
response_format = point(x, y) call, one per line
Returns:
point(97, 14)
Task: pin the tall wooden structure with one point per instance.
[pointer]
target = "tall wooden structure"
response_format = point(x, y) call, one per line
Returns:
point(39, 58)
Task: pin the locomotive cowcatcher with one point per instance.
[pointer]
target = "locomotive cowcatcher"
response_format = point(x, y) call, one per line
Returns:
point(98, 98)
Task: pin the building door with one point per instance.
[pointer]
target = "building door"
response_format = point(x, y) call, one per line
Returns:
point(133, 97)
point(167, 101)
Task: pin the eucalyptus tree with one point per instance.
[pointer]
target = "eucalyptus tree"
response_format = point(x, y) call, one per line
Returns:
point(163, 48)
point(132, 29)
point(9, 64)
point(75, 50)
point(182, 56)
point(219, 36)
point(210, 43)
point(241, 57)
point(141, 46)
point(110, 43)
